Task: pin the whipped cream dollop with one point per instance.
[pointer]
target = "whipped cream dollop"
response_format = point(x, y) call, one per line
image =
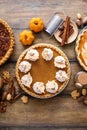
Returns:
point(26, 80)
point(51, 86)
point(59, 62)
point(47, 54)
point(32, 55)
point(39, 87)
point(61, 75)
point(24, 66)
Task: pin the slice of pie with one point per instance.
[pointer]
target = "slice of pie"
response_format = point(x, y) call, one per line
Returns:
point(81, 49)
point(43, 70)
point(6, 41)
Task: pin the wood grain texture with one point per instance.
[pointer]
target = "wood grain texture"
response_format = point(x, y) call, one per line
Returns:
point(48, 112)
point(60, 112)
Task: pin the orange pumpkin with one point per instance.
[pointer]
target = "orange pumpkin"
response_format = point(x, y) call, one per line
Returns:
point(26, 37)
point(36, 24)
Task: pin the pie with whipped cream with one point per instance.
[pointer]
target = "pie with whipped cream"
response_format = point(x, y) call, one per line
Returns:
point(81, 49)
point(43, 70)
point(6, 41)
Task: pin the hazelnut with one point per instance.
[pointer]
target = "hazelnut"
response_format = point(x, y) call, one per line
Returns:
point(79, 16)
point(25, 99)
point(84, 92)
point(84, 21)
point(78, 85)
point(9, 97)
point(78, 22)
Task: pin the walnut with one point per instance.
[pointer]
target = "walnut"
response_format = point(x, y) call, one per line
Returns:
point(25, 99)
point(75, 94)
point(6, 75)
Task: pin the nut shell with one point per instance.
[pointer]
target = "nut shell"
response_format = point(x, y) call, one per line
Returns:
point(25, 99)
point(78, 85)
point(84, 21)
point(79, 16)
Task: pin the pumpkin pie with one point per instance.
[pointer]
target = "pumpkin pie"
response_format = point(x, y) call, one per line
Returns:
point(81, 49)
point(43, 70)
point(6, 41)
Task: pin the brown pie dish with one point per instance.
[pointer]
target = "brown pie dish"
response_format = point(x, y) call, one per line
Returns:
point(81, 49)
point(6, 41)
point(42, 70)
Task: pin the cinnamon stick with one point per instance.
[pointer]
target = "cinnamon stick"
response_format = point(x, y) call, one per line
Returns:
point(66, 31)
point(70, 32)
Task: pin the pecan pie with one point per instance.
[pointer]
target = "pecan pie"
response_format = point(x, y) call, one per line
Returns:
point(43, 70)
point(6, 41)
point(81, 49)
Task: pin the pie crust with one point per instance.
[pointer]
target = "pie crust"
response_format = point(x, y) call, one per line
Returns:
point(81, 40)
point(42, 66)
point(11, 44)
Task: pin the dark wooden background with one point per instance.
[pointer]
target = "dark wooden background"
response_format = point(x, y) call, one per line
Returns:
point(60, 112)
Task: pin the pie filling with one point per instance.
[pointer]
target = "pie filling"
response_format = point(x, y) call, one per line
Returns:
point(42, 79)
point(4, 40)
point(82, 48)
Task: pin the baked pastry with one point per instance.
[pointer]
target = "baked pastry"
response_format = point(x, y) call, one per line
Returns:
point(41, 79)
point(81, 49)
point(6, 41)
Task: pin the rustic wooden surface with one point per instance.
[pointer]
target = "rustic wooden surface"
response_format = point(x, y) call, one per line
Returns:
point(61, 111)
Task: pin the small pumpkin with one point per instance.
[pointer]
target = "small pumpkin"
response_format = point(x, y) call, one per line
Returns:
point(26, 37)
point(36, 24)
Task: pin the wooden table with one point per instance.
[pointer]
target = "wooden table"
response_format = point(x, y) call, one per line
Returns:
point(58, 112)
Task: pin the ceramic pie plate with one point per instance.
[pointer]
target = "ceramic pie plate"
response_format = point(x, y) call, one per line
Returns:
point(42, 70)
point(12, 43)
point(71, 38)
point(81, 38)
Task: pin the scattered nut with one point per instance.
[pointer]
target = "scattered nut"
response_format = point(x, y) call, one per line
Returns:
point(80, 99)
point(84, 21)
point(75, 94)
point(78, 22)
point(6, 75)
point(85, 101)
point(9, 97)
point(79, 16)
point(78, 85)
point(84, 92)
point(25, 99)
